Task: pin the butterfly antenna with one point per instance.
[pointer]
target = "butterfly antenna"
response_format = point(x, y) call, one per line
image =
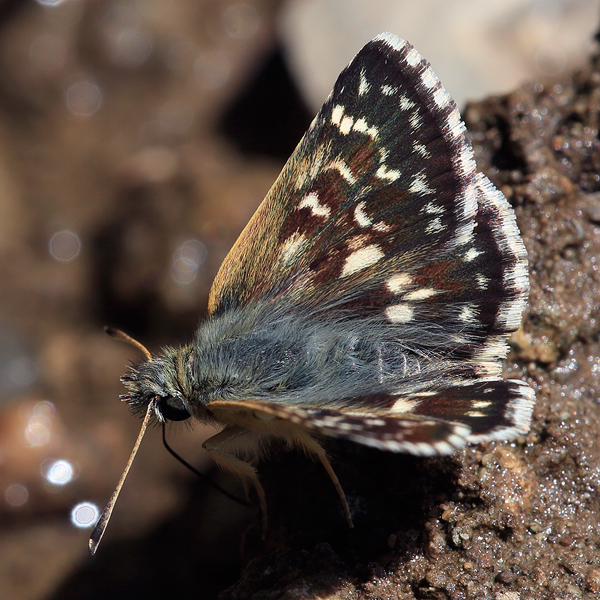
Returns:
point(202, 476)
point(100, 527)
point(117, 334)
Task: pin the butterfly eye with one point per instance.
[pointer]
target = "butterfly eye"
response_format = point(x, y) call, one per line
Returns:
point(173, 409)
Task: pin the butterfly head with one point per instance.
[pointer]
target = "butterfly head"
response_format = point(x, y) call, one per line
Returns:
point(163, 380)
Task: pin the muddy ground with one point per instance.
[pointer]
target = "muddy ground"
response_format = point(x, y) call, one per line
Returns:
point(129, 162)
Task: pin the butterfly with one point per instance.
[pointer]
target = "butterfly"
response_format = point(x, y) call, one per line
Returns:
point(369, 298)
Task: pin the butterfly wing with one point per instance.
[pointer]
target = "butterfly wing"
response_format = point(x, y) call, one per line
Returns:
point(387, 431)
point(380, 218)
point(384, 177)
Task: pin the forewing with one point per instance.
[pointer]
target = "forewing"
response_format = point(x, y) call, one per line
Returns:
point(383, 174)
point(380, 211)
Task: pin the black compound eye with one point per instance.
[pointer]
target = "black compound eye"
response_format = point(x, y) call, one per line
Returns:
point(173, 409)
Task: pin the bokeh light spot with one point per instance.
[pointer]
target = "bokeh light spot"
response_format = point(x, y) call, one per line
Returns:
point(37, 431)
point(43, 410)
point(212, 69)
point(187, 260)
point(157, 163)
point(37, 434)
point(48, 52)
point(241, 21)
point(64, 246)
point(50, 3)
point(132, 47)
point(84, 514)
point(83, 98)
point(59, 472)
point(16, 495)
point(21, 371)
point(175, 118)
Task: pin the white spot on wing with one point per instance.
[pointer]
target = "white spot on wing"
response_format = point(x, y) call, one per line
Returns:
point(381, 226)
point(390, 174)
point(433, 209)
point(428, 78)
point(441, 98)
point(493, 349)
point(467, 314)
point(421, 149)
point(435, 226)
point(419, 184)
point(471, 254)
point(362, 126)
point(346, 125)
point(510, 314)
point(481, 404)
point(361, 259)
point(404, 405)
point(474, 413)
point(399, 313)
point(364, 86)
point(344, 170)
point(455, 125)
point(388, 90)
point(415, 120)
point(443, 447)
point(421, 294)
point(405, 103)
point(336, 114)
point(516, 275)
point(413, 58)
point(482, 281)
point(292, 246)
point(391, 40)
point(464, 233)
point(312, 201)
point(360, 215)
point(398, 283)
point(467, 161)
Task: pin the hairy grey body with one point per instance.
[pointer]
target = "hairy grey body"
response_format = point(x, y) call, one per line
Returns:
point(272, 353)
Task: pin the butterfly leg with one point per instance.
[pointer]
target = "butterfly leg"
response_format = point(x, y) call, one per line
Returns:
point(336, 482)
point(223, 447)
point(311, 446)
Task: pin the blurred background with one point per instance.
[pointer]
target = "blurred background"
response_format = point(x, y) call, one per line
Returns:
point(136, 139)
